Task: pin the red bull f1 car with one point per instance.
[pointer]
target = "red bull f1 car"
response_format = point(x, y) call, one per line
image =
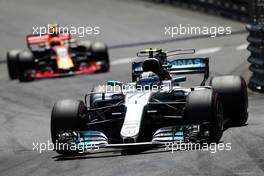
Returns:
point(154, 109)
point(56, 56)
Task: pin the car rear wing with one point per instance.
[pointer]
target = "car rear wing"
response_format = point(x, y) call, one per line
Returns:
point(179, 66)
point(190, 66)
point(150, 53)
point(38, 39)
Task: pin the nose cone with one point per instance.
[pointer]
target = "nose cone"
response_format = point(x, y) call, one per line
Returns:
point(135, 103)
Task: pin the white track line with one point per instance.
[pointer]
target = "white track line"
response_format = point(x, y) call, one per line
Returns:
point(123, 61)
point(241, 47)
point(208, 50)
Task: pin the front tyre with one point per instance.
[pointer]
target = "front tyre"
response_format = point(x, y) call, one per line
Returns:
point(26, 65)
point(12, 63)
point(100, 53)
point(66, 116)
point(204, 106)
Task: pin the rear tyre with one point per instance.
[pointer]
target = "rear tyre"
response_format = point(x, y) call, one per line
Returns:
point(12, 63)
point(205, 106)
point(85, 46)
point(100, 53)
point(233, 93)
point(26, 65)
point(66, 116)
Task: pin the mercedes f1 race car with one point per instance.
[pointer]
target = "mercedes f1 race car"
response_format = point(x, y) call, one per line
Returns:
point(154, 109)
point(56, 56)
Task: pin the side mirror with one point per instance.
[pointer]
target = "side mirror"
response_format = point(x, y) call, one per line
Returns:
point(178, 79)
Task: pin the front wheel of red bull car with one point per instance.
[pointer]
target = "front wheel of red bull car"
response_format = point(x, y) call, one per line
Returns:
point(12, 63)
point(26, 66)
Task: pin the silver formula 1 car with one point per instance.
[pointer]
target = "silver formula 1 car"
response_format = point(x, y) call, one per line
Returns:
point(154, 109)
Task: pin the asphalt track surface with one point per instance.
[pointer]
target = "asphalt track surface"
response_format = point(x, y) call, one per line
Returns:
point(25, 108)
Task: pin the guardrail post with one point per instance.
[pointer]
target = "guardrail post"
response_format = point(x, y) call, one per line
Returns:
point(256, 46)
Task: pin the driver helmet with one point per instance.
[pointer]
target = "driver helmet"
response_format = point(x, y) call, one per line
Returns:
point(53, 30)
point(148, 80)
point(58, 42)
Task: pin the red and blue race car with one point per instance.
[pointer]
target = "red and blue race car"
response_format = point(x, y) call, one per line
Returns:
point(50, 56)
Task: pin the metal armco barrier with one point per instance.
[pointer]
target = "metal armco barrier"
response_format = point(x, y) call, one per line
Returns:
point(251, 11)
point(235, 9)
point(256, 46)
